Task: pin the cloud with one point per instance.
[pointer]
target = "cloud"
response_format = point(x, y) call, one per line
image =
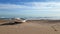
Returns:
point(45, 6)
point(12, 6)
point(53, 0)
point(52, 8)
point(41, 6)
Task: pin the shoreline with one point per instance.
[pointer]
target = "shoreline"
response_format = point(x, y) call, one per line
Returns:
point(32, 27)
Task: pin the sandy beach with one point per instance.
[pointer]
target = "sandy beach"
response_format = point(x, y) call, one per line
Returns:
point(32, 27)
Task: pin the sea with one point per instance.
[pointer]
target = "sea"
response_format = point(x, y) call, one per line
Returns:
point(30, 18)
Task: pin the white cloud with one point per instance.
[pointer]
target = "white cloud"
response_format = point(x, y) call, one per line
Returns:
point(45, 6)
point(53, 0)
point(42, 6)
point(36, 6)
point(11, 6)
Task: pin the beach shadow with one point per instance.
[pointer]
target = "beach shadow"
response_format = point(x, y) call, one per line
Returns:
point(54, 28)
point(15, 23)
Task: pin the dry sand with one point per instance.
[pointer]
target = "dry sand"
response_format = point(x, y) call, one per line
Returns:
point(32, 27)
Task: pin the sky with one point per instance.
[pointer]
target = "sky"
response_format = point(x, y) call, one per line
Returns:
point(30, 8)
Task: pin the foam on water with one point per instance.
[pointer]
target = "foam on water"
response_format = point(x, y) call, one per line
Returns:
point(34, 18)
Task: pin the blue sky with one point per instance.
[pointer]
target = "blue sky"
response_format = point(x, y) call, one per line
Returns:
point(33, 8)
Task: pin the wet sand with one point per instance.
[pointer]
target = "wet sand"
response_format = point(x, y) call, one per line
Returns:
point(32, 27)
